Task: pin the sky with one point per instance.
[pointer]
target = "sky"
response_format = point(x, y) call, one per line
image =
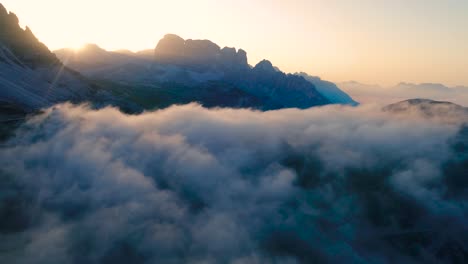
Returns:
point(373, 41)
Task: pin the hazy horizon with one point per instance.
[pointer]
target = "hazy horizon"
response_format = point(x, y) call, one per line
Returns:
point(374, 42)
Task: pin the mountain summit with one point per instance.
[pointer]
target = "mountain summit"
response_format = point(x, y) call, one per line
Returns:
point(31, 77)
point(21, 43)
point(265, 66)
point(173, 49)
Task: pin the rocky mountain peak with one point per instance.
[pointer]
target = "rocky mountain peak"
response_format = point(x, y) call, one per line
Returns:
point(265, 66)
point(22, 43)
point(173, 49)
point(231, 56)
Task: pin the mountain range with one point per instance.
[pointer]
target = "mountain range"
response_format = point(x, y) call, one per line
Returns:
point(202, 71)
point(177, 71)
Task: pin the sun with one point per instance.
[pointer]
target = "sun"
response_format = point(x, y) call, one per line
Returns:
point(77, 47)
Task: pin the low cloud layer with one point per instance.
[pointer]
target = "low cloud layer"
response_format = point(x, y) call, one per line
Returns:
point(193, 185)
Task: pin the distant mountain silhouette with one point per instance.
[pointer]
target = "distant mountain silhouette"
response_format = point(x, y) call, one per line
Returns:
point(91, 58)
point(197, 65)
point(329, 90)
point(148, 53)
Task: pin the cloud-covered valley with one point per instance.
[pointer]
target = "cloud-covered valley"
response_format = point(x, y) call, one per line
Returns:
point(189, 184)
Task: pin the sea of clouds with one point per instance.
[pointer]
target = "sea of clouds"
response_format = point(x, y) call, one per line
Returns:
point(187, 184)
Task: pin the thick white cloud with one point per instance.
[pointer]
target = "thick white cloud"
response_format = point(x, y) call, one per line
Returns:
point(196, 185)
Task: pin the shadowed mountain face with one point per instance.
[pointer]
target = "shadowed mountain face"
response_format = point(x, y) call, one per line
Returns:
point(31, 77)
point(22, 43)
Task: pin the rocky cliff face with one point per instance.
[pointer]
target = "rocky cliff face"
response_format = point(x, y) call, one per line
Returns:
point(173, 49)
point(31, 77)
point(22, 43)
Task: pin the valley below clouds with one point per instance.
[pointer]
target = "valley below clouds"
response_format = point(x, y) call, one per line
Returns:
point(188, 184)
